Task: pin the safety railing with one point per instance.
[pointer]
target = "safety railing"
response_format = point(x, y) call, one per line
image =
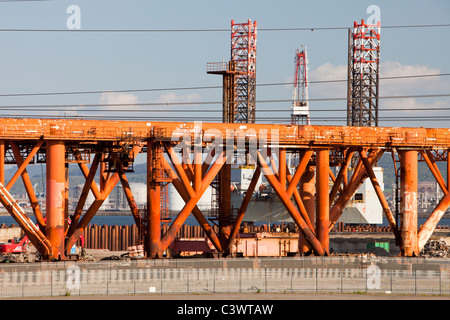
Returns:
point(218, 67)
point(303, 275)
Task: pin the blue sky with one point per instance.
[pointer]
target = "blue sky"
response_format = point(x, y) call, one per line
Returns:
point(34, 62)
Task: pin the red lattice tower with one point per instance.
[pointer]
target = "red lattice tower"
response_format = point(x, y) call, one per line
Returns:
point(364, 69)
point(243, 54)
point(300, 104)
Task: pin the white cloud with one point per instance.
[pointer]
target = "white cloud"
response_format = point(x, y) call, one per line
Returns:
point(410, 106)
point(112, 97)
point(327, 71)
point(171, 97)
point(388, 87)
point(414, 112)
point(413, 85)
point(107, 98)
point(394, 68)
point(418, 108)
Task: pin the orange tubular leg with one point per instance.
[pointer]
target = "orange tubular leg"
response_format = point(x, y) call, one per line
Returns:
point(322, 198)
point(56, 185)
point(307, 193)
point(154, 220)
point(408, 220)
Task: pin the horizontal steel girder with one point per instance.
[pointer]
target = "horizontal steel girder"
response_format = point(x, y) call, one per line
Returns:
point(95, 131)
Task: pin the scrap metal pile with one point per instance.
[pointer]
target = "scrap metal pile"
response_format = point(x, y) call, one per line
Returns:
point(436, 249)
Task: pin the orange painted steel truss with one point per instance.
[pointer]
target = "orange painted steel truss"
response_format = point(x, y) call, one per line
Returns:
point(193, 155)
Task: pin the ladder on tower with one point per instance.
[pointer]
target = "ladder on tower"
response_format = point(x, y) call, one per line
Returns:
point(157, 172)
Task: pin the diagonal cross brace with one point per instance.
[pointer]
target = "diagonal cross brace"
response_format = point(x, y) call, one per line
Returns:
point(358, 177)
point(184, 193)
point(281, 192)
point(380, 195)
point(76, 230)
point(191, 204)
point(22, 171)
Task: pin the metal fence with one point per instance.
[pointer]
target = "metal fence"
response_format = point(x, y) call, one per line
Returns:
point(287, 275)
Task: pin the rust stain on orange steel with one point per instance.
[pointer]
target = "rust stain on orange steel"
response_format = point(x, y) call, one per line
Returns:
point(55, 197)
point(408, 223)
point(85, 130)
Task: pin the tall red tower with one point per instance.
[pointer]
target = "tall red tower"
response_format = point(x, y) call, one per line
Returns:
point(243, 54)
point(300, 103)
point(363, 75)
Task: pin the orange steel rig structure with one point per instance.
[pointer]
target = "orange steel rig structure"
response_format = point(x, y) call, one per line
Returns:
point(191, 155)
